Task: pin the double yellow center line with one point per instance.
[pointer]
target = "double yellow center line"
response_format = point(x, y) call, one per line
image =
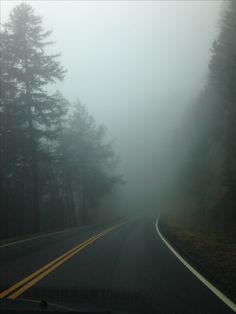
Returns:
point(20, 287)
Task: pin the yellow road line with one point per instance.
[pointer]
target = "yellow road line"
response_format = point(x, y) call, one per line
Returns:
point(30, 280)
point(45, 273)
point(26, 279)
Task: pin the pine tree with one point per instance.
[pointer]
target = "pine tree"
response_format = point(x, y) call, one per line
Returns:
point(223, 61)
point(223, 77)
point(32, 69)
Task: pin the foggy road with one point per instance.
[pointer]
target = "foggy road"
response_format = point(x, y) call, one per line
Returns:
point(111, 113)
point(129, 263)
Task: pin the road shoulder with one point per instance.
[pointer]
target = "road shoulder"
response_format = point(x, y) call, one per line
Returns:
point(192, 262)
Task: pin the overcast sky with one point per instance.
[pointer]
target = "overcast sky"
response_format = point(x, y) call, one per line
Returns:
point(137, 65)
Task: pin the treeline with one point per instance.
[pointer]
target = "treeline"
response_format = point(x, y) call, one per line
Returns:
point(55, 163)
point(205, 148)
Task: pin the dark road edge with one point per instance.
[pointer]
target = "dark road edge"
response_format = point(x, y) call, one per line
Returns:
point(208, 284)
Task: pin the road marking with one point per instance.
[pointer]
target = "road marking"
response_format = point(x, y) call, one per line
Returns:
point(26, 279)
point(33, 238)
point(209, 285)
point(30, 280)
point(28, 285)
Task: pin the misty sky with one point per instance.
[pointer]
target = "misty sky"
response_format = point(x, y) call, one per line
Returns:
point(137, 66)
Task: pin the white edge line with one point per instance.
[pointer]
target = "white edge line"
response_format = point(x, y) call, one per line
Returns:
point(33, 238)
point(209, 285)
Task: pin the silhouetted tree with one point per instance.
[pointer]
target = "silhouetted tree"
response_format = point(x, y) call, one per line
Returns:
point(32, 69)
point(53, 167)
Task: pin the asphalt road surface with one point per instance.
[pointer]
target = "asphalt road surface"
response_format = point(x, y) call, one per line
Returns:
point(127, 268)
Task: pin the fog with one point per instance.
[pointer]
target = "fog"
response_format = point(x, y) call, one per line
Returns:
point(137, 66)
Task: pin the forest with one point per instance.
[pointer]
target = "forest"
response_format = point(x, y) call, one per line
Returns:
point(199, 213)
point(55, 160)
point(57, 163)
point(204, 181)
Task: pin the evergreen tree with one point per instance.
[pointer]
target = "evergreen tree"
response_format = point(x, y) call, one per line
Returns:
point(52, 169)
point(223, 77)
point(32, 69)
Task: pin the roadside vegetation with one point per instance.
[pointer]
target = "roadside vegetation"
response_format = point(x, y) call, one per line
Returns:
point(201, 215)
point(211, 251)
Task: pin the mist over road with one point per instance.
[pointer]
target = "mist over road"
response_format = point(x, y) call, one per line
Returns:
point(130, 262)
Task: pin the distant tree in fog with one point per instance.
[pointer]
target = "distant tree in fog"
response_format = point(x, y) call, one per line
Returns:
point(223, 77)
point(88, 162)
